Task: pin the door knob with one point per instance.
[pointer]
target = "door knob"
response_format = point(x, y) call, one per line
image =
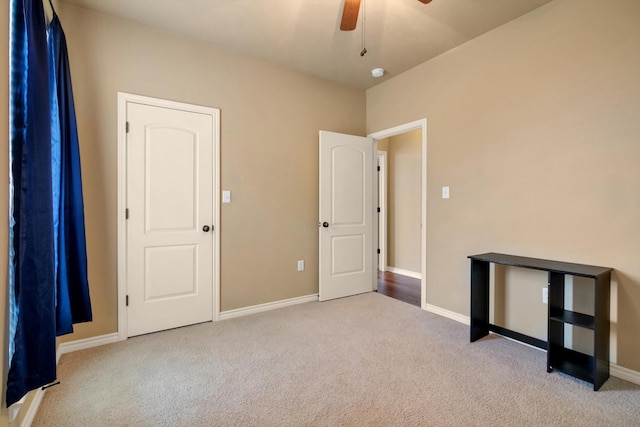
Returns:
point(206, 228)
point(325, 224)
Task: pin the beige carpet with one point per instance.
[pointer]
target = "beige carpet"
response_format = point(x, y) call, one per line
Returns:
point(366, 360)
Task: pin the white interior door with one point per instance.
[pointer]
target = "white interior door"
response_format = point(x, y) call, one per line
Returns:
point(346, 215)
point(170, 218)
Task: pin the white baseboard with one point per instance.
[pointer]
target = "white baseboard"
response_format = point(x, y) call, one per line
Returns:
point(624, 373)
point(32, 410)
point(404, 272)
point(448, 314)
point(14, 409)
point(245, 311)
point(71, 346)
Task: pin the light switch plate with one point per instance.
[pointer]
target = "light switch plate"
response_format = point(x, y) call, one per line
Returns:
point(445, 192)
point(226, 196)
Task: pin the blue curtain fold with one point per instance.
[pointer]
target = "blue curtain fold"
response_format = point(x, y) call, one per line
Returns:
point(72, 296)
point(48, 288)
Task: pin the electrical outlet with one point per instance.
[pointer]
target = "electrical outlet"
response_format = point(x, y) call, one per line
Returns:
point(300, 265)
point(545, 295)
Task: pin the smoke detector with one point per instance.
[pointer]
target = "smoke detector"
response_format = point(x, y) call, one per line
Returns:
point(377, 72)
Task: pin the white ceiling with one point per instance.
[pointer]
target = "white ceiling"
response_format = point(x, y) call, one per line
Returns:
point(304, 34)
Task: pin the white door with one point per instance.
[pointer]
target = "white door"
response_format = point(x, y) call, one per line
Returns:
point(170, 216)
point(346, 215)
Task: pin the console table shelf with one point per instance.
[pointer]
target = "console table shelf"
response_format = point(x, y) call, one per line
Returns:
point(572, 317)
point(571, 362)
point(594, 369)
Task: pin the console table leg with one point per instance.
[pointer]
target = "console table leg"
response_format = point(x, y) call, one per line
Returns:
point(479, 299)
point(555, 330)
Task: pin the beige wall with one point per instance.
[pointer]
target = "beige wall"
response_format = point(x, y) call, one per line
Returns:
point(535, 128)
point(404, 194)
point(270, 118)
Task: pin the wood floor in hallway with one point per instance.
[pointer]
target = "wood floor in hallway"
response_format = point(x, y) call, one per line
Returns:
point(403, 288)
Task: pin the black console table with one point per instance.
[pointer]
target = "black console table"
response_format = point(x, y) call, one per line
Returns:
point(594, 369)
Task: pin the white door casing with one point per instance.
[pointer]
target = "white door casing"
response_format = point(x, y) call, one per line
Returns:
point(382, 211)
point(397, 130)
point(346, 232)
point(171, 244)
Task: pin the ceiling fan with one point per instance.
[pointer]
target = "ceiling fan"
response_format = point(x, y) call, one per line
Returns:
point(350, 14)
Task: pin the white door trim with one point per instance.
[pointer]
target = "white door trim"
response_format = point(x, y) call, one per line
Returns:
point(123, 99)
point(397, 130)
point(382, 216)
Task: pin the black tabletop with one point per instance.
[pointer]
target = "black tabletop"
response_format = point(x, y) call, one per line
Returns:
point(543, 264)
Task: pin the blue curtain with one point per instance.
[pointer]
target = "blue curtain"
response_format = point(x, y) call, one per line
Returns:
point(73, 303)
point(48, 289)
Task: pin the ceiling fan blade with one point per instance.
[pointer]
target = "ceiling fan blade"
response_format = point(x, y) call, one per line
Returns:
point(424, 1)
point(350, 15)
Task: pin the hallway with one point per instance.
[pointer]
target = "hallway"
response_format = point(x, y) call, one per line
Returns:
point(403, 288)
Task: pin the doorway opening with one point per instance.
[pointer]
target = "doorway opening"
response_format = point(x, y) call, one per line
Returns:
point(401, 223)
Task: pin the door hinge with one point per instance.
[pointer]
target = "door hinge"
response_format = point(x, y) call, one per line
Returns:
point(126, 127)
point(378, 210)
point(127, 301)
point(378, 251)
point(126, 213)
point(378, 166)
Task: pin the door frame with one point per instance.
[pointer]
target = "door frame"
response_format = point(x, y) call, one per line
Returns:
point(382, 215)
point(420, 124)
point(123, 99)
